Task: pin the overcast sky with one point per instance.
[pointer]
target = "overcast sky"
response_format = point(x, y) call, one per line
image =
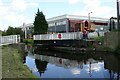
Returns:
point(16, 12)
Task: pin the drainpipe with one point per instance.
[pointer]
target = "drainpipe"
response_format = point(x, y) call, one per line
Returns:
point(118, 15)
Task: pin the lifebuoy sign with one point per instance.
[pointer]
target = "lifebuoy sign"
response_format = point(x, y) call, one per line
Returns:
point(59, 36)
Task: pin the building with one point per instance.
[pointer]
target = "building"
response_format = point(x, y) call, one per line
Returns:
point(72, 23)
point(69, 23)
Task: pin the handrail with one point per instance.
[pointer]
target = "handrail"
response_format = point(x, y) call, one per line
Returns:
point(11, 39)
point(67, 36)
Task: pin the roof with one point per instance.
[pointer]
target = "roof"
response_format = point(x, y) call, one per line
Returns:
point(76, 17)
point(71, 17)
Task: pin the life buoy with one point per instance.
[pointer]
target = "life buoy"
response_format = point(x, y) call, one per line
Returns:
point(59, 36)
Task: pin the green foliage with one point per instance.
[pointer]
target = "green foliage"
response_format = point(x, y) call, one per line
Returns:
point(117, 50)
point(40, 23)
point(13, 31)
point(108, 49)
point(4, 33)
point(10, 31)
point(100, 38)
point(91, 46)
point(115, 30)
point(28, 41)
point(18, 31)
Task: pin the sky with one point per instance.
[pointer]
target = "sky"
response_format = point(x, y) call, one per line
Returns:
point(16, 12)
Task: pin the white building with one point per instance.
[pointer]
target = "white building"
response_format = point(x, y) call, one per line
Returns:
point(68, 23)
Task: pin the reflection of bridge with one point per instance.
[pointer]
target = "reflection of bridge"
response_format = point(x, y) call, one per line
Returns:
point(94, 63)
point(43, 60)
point(71, 60)
point(62, 62)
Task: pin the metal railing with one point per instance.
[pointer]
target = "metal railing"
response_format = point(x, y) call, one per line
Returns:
point(67, 36)
point(63, 36)
point(11, 39)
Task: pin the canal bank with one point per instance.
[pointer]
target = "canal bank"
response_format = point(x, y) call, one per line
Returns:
point(111, 41)
point(12, 66)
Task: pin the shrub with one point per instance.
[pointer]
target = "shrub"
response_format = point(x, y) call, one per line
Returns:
point(100, 38)
point(117, 50)
point(28, 41)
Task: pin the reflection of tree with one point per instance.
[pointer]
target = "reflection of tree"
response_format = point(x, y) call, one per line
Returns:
point(90, 71)
point(24, 57)
point(22, 50)
point(41, 66)
point(112, 63)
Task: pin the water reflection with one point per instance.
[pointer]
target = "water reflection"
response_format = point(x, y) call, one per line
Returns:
point(41, 66)
point(51, 64)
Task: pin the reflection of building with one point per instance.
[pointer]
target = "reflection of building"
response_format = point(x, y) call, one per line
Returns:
point(112, 63)
point(91, 64)
point(69, 23)
point(92, 61)
point(62, 62)
point(75, 66)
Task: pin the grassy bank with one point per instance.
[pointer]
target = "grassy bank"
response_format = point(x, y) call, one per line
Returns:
point(12, 66)
point(111, 41)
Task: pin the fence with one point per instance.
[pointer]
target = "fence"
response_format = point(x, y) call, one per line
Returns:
point(58, 36)
point(11, 39)
point(66, 36)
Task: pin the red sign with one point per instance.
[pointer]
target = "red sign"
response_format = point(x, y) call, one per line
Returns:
point(59, 36)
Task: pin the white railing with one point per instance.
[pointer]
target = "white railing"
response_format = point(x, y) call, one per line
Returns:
point(101, 33)
point(96, 34)
point(59, 36)
point(66, 36)
point(92, 35)
point(11, 39)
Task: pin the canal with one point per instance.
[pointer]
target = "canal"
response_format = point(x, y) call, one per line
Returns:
point(47, 63)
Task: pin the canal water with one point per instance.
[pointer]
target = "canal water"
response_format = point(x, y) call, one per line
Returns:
point(55, 64)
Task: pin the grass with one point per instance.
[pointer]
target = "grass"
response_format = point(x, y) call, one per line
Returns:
point(12, 66)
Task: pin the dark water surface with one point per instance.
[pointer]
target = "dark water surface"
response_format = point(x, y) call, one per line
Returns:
point(54, 64)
